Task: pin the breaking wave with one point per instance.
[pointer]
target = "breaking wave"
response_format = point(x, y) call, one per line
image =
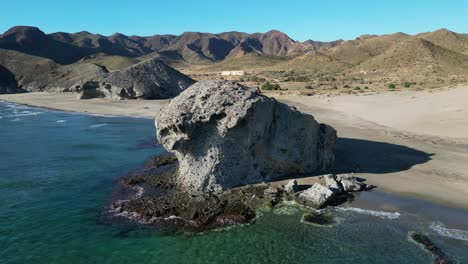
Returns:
point(25, 113)
point(97, 125)
point(381, 214)
point(60, 121)
point(440, 229)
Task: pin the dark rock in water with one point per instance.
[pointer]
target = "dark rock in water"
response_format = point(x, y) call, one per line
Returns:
point(440, 257)
point(8, 83)
point(226, 135)
point(156, 197)
point(319, 218)
point(149, 79)
point(163, 204)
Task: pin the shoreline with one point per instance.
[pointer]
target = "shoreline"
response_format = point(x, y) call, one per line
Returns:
point(67, 102)
point(416, 181)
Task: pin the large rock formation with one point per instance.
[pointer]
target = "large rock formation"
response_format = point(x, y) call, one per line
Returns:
point(150, 79)
point(225, 134)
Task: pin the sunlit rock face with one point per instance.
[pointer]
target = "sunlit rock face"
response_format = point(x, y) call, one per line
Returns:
point(225, 134)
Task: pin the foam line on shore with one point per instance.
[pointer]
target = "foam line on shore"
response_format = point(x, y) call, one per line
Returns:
point(381, 214)
point(441, 230)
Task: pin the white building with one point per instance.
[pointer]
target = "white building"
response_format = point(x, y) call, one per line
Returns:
point(232, 73)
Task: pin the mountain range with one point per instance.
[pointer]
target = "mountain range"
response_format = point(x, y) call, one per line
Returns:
point(191, 47)
point(41, 61)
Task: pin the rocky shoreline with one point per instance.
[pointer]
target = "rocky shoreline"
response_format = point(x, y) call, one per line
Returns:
point(155, 198)
point(225, 140)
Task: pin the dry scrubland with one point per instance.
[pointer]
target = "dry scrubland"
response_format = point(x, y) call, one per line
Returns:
point(369, 63)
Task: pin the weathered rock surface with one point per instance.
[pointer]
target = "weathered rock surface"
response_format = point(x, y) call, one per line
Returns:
point(317, 196)
point(350, 183)
point(225, 134)
point(150, 79)
point(272, 194)
point(291, 187)
point(332, 184)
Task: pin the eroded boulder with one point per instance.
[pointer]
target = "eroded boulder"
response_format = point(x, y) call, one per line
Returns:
point(291, 187)
point(225, 134)
point(350, 183)
point(332, 184)
point(317, 196)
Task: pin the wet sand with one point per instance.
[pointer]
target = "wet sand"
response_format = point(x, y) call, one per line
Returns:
point(412, 144)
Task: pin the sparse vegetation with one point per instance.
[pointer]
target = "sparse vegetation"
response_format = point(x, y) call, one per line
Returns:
point(391, 86)
point(270, 86)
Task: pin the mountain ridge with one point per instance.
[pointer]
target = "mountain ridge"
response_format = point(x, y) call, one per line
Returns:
point(42, 61)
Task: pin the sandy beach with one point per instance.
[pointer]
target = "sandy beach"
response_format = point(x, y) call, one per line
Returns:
point(412, 143)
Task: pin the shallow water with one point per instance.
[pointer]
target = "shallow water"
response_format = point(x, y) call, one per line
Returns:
point(58, 170)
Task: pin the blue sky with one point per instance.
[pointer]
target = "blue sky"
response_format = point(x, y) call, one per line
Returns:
point(300, 19)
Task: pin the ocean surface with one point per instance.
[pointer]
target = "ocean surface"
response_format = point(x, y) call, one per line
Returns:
point(58, 170)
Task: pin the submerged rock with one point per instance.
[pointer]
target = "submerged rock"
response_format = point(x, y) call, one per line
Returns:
point(225, 134)
point(317, 196)
point(440, 256)
point(318, 218)
point(149, 79)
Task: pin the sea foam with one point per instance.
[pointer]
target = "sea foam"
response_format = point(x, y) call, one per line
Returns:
point(440, 229)
point(381, 214)
point(25, 113)
point(97, 125)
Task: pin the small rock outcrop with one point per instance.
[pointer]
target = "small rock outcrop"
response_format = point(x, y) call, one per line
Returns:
point(332, 184)
point(225, 134)
point(350, 183)
point(150, 79)
point(317, 196)
point(272, 194)
point(291, 187)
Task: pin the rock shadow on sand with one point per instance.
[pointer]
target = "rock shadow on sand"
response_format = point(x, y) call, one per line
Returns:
point(364, 156)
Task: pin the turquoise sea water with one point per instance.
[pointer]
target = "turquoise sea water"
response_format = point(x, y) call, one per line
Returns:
point(58, 170)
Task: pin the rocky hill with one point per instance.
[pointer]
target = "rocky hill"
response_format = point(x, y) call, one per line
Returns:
point(8, 83)
point(35, 73)
point(150, 79)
